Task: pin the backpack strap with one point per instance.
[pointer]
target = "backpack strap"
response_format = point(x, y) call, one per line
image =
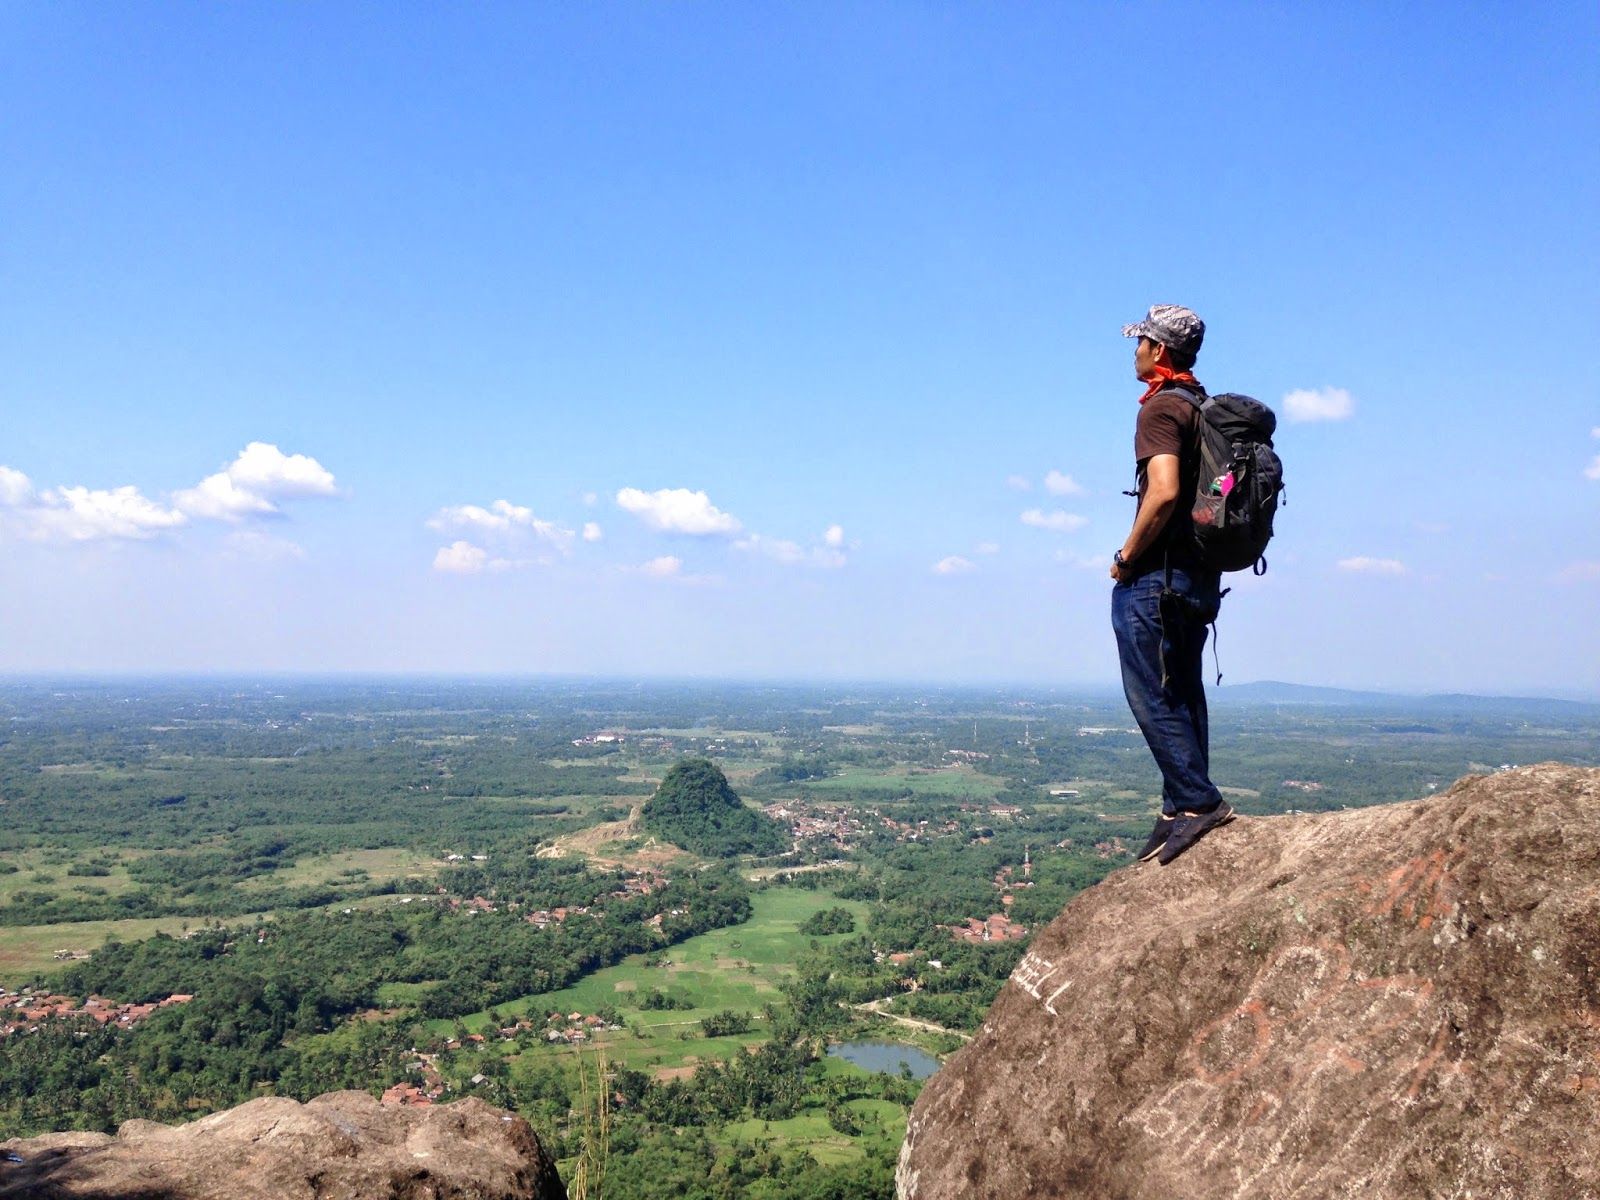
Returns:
point(1196, 396)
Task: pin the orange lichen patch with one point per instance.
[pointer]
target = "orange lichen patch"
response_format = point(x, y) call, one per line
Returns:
point(1418, 990)
point(1429, 1063)
point(1335, 1053)
point(1261, 1035)
point(1418, 891)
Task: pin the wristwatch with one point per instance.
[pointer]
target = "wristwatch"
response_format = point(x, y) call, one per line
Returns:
point(1121, 562)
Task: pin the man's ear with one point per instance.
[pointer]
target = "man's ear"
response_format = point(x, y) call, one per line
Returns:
point(1163, 355)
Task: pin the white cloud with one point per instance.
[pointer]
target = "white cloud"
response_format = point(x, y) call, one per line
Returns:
point(249, 485)
point(260, 475)
point(665, 567)
point(668, 568)
point(221, 499)
point(953, 565)
point(792, 554)
point(1592, 471)
point(15, 487)
point(1319, 404)
point(501, 519)
point(1059, 484)
point(678, 510)
point(262, 467)
point(1373, 566)
point(1579, 572)
point(590, 499)
point(777, 549)
point(80, 514)
point(461, 558)
point(261, 547)
point(1019, 483)
point(988, 547)
point(1056, 520)
point(834, 536)
point(592, 531)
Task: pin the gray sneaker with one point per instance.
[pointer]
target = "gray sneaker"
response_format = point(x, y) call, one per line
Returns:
point(1189, 828)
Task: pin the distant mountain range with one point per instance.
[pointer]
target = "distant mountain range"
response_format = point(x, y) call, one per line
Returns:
point(1272, 692)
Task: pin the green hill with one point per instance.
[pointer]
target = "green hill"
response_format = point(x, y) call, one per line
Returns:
point(695, 808)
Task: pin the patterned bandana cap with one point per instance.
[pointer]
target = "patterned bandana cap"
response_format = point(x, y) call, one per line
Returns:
point(1174, 326)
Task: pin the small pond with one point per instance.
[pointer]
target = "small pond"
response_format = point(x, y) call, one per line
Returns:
point(886, 1056)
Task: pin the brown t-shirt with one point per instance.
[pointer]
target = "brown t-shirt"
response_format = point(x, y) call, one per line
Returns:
point(1166, 425)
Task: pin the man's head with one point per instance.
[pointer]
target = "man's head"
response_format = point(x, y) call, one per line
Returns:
point(1176, 333)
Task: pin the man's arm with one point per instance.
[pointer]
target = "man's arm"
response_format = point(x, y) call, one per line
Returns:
point(1155, 509)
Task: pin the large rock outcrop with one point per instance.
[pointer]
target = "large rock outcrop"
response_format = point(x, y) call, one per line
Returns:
point(341, 1146)
point(1401, 1001)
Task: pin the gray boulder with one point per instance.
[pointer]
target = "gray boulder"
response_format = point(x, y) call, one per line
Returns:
point(341, 1146)
point(1400, 1001)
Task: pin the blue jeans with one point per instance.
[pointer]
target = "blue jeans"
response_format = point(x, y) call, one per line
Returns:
point(1152, 632)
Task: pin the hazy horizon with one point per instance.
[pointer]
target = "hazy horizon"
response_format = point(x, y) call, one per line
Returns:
point(1087, 689)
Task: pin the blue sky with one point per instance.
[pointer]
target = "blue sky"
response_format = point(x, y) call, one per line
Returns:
point(751, 318)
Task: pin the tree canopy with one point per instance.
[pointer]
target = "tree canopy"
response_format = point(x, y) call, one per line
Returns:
point(697, 809)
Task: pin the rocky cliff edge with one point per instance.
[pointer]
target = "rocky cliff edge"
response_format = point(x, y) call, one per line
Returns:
point(1400, 1001)
point(341, 1146)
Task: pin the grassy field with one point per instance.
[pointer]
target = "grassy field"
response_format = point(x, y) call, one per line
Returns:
point(809, 1130)
point(392, 863)
point(1102, 795)
point(946, 782)
point(27, 949)
point(741, 771)
point(45, 870)
point(763, 738)
point(737, 968)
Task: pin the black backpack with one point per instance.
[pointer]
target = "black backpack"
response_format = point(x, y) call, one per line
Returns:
point(1240, 481)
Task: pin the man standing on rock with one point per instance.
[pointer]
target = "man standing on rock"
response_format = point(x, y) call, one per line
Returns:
point(1164, 598)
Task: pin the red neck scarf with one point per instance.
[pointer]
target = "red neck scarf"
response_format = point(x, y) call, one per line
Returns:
point(1164, 376)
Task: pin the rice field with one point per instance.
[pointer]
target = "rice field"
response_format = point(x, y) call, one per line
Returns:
point(737, 968)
